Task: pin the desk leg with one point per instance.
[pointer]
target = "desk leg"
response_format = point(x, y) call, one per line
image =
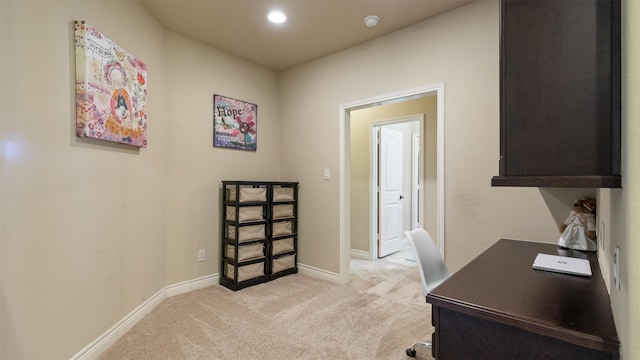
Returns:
point(435, 336)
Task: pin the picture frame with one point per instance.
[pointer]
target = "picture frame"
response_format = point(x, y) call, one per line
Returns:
point(235, 123)
point(111, 89)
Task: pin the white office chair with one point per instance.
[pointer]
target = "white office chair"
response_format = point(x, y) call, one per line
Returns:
point(433, 270)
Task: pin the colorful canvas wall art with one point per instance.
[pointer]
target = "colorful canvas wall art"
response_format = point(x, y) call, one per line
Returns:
point(111, 89)
point(235, 123)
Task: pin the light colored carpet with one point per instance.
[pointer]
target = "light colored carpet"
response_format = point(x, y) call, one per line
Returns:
point(377, 315)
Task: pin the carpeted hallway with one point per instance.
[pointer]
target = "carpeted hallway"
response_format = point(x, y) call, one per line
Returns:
point(377, 315)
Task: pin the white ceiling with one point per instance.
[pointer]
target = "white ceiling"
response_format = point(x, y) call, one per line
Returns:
point(314, 28)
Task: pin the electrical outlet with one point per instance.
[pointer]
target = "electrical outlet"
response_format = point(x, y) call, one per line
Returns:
point(616, 267)
point(601, 235)
point(201, 255)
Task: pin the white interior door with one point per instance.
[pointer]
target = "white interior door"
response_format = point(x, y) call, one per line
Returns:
point(390, 239)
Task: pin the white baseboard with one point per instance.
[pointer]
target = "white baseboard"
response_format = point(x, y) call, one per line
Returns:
point(318, 273)
point(360, 254)
point(106, 340)
point(191, 285)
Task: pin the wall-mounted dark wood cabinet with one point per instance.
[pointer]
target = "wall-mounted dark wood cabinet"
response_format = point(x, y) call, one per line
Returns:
point(559, 93)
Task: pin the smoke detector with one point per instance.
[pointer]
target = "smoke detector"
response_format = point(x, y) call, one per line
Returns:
point(371, 20)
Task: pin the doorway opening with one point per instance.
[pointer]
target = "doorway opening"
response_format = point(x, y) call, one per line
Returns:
point(436, 181)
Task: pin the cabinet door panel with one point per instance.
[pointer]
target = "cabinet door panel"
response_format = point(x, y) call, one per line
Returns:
point(560, 88)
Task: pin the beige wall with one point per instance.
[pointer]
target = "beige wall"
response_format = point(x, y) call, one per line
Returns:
point(89, 231)
point(195, 72)
point(2, 307)
point(360, 145)
point(459, 48)
point(82, 236)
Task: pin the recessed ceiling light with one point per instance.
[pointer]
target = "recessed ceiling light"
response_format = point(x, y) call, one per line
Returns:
point(277, 17)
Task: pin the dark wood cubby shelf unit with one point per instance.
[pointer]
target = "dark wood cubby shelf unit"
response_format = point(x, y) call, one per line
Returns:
point(259, 232)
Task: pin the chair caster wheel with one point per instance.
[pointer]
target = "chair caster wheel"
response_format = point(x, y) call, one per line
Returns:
point(411, 352)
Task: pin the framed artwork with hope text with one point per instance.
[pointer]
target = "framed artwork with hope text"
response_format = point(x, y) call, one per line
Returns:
point(235, 123)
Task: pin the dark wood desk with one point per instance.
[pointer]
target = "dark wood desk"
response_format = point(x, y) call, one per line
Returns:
point(498, 307)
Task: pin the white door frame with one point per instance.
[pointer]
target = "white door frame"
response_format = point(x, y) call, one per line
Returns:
point(345, 154)
point(373, 157)
point(417, 177)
